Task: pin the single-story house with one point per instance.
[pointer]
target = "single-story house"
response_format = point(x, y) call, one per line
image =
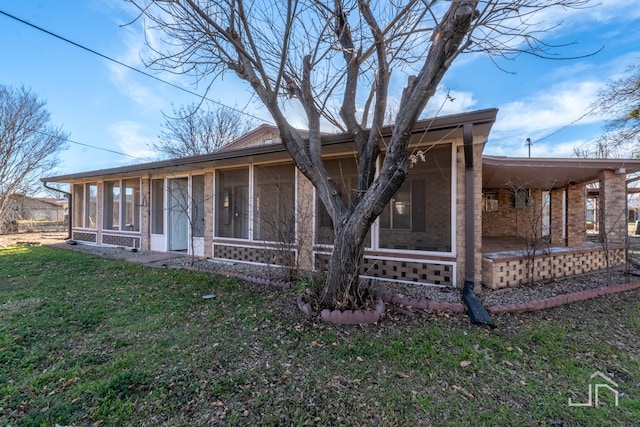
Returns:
point(38, 211)
point(459, 216)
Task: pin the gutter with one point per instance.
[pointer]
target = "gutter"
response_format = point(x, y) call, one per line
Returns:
point(45, 183)
point(477, 312)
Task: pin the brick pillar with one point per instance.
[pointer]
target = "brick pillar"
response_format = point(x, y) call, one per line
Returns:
point(209, 203)
point(460, 219)
point(99, 211)
point(576, 227)
point(557, 217)
point(460, 226)
point(612, 205)
point(477, 240)
point(145, 226)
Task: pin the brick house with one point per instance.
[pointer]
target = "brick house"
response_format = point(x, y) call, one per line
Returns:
point(248, 203)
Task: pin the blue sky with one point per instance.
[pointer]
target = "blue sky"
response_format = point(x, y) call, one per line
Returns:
point(105, 105)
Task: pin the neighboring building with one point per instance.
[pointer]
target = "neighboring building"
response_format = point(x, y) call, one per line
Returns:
point(34, 210)
point(242, 202)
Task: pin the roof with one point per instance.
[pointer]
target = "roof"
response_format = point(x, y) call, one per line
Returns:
point(43, 200)
point(548, 173)
point(437, 127)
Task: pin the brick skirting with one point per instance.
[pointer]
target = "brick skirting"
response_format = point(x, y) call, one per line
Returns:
point(128, 241)
point(253, 254)
point(84, 237)
point(507, 269)
point(428, 272)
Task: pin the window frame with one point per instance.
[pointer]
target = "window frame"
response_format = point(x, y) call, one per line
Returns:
point(109, 200)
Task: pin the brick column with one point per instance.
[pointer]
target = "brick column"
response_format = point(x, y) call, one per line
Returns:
point(461, 225)
point(576, 227)
point(557, 217)
point(458, 194)
point(477, 216)
point(612, 206)
point(209, 204)
point(99, 211)
point(145, 226)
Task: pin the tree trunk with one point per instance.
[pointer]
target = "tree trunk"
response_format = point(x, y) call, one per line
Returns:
point(342, 286)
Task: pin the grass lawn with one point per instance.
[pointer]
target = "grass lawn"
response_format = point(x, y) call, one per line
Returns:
point(92, 341)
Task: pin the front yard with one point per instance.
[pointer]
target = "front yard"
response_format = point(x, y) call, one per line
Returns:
point(91, 341)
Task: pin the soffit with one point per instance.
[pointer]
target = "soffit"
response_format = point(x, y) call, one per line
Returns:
point(511, 172)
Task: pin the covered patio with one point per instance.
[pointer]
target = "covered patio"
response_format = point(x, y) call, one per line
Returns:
point(534, 218)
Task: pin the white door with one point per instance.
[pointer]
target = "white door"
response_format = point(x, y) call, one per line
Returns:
point(178, 214)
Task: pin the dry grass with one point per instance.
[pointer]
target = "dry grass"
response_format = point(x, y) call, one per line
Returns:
point(91, 341)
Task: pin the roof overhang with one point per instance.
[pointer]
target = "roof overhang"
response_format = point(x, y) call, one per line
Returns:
point(435, 129)
point(548, 174)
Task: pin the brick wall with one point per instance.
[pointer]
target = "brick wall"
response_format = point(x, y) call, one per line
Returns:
point(576, 211)
point(508, 271)
point(613, 205)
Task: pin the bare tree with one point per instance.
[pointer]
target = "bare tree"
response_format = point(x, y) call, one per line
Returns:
point(191, 131)
point(29, 144)
point(323, 54)
point(620, 103)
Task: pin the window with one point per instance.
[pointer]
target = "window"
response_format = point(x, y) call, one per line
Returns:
point(131, 214)
point(122, 205)
point(111, 220)
point(232, 203)
point(397, 214)
point(490, 201)
point(418, 217)
point(78, 205)
point(345, 174)
point(92, 206)
point(273, 204)
point(157, 206)
point(85, 198)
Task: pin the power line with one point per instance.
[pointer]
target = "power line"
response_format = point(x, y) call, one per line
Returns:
point(89, 145)
point(108, 58)
point(589, 111)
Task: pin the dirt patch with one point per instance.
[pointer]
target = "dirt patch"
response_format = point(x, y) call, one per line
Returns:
point(36, 238)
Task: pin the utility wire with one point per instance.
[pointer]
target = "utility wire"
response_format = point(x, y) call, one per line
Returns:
point(125, 65)
point(88, 145)
point(588, 112)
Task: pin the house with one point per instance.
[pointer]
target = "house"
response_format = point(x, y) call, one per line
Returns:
point(36, 211)
point(243, 202)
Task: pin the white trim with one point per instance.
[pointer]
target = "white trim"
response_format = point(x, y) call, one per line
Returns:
point(415, 252)
point(239, 261)
point(421, 260)
point(250, 202)
point(408, 282)
point(122, 233)
point(454, 200)
point(259, 245)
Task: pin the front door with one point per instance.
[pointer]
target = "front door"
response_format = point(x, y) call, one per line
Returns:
point(178, 214)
